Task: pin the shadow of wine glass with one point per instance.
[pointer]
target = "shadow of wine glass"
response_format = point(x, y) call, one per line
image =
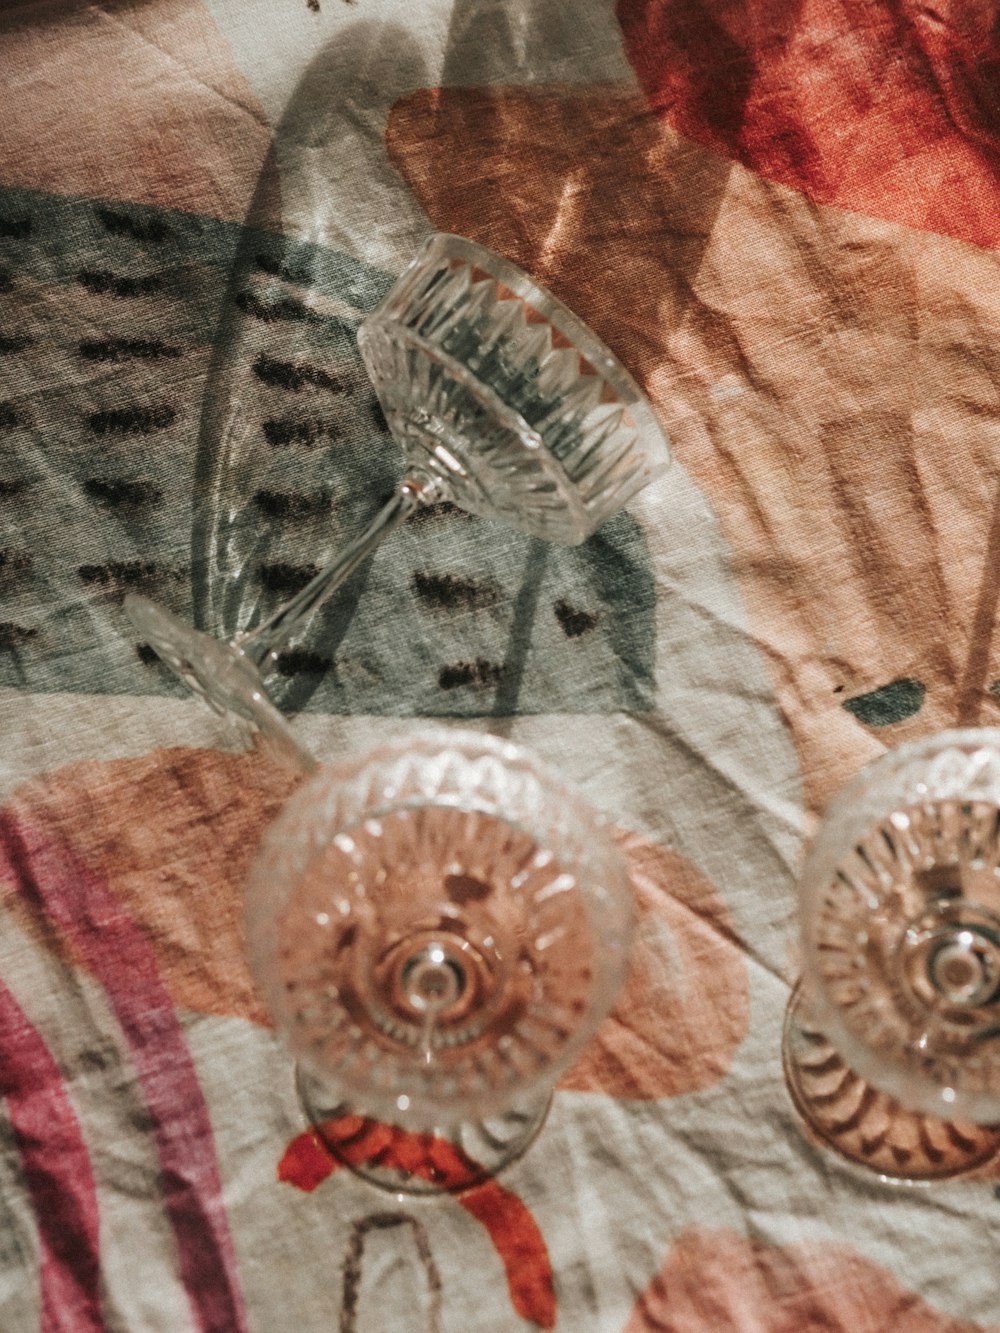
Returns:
point(294, 458)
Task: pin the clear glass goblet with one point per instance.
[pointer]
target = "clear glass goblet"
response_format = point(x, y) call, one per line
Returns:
point(504, 403)
point(437, 928)
point(892, 1040)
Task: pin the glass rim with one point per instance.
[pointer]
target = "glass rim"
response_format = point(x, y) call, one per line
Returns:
point(554, 311)
point(605, 893)
point(837, 828)
point(882, 787)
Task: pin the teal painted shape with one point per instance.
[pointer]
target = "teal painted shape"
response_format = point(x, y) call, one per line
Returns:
point(115, 318)
point(888, 704)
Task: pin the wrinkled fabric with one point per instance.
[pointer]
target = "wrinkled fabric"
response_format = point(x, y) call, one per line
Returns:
point(783, 219)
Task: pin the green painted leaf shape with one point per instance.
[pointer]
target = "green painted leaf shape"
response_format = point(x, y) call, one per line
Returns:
point(888, 704)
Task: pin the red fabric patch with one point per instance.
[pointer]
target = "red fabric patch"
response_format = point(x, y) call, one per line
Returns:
point(889, 110)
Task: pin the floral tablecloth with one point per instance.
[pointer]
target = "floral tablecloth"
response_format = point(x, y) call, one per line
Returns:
point(783, 216)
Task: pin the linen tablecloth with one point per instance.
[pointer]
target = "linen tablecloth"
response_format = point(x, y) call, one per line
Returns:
point(783, 216)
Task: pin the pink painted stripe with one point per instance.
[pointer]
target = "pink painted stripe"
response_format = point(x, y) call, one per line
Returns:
point(63, 890)
point(56, 1171)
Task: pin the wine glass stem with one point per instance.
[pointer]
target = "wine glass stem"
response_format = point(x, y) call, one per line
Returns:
point(290, 619)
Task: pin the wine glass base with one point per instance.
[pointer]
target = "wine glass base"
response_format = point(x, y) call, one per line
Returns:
point(428, 1162)
point(219, 674)
point(868, 1128)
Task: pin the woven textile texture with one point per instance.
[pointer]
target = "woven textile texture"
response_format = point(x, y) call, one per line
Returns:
point(783, 218)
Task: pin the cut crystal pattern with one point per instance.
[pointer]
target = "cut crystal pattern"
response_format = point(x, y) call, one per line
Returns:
point(438, 928)
point(867, 1126)
point(901, 925)
point(505, 404)
point(498, 391)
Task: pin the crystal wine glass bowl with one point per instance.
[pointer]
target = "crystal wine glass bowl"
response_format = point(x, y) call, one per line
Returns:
point(511, 404)
point(892, 1045)
point(437, 928)
point(503, 402)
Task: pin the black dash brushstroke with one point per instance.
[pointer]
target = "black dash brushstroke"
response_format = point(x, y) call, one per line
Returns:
point(479, 672)
point(285, 578)
point(128, 575)
point(119, 493)
point(132, 420)
point(285, 309)
point(277, 269)
point(286, 430)
point(572, 622)
point(124, 224)
point(294, 376)
point(13, 635)
point(302, 662)
point(454, 592)
point(435, 513)
point(127, 349)
point(291, 504)
point(104, 283)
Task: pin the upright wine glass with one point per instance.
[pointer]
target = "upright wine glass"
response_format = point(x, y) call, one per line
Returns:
point(437, 928)
point(504, 403)
point(892, 1039)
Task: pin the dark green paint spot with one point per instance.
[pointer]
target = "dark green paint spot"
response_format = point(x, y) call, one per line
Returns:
point(888, 704)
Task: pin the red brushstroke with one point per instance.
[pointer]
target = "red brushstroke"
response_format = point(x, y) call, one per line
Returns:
point(885, 109)
point(306, 1163)
point(511, 1227)
point(520, 1245)
point(56, 1170)
point(63, 891)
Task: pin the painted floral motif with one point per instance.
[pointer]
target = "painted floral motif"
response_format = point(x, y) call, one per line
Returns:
point(511, 1227)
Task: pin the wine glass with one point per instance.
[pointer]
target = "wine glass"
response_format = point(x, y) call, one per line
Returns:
point(437, 928)
point(504, 403)
point(892, 1040)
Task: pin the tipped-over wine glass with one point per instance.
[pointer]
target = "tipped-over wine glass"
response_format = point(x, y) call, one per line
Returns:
point(504, 403)
point(892, 1039)
point(437, 928)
